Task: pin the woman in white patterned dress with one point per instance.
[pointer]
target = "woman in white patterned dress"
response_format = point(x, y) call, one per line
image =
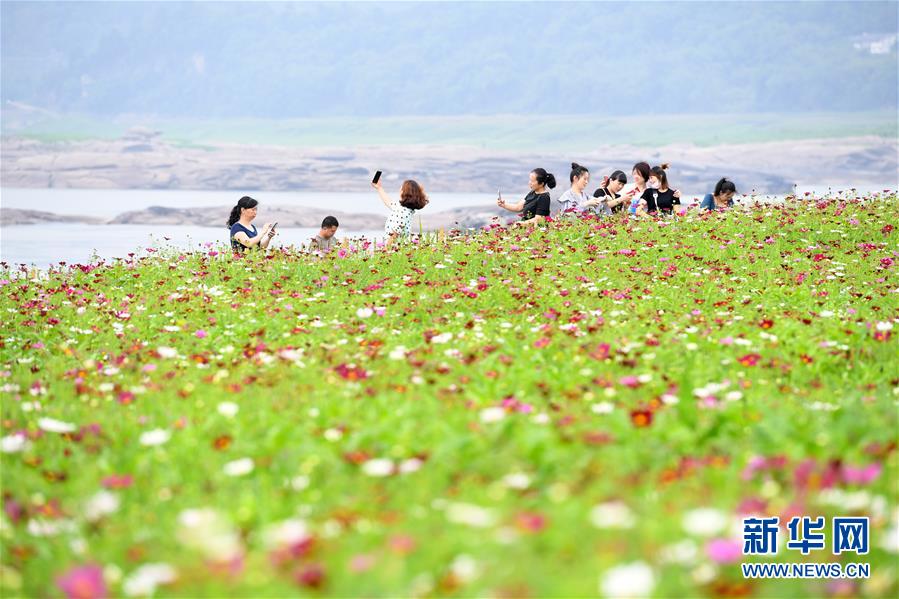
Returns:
point(412, 198)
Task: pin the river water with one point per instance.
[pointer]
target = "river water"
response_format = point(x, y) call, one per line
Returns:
point(46, 244)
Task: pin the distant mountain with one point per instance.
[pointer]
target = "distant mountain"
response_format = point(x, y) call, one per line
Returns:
point(277, 60)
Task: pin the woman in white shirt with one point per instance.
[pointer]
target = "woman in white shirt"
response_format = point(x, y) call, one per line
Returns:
point(412, 198)
point(576, 200)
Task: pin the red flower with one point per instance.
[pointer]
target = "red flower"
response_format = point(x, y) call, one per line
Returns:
point(641, 418)
point(601, 352)
point(117, 481)
point(749, 359)
point(351, 372)
point(530, 522)
point(767, 323)
point(312, 576)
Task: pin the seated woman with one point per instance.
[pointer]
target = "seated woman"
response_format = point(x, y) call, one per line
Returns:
point(659, 197)
point(613, 201)
point(534, 208)
point(240, 223)
point(412, 198)
point(723, 197)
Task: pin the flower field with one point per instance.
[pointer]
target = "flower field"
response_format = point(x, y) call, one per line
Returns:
point(586, 409)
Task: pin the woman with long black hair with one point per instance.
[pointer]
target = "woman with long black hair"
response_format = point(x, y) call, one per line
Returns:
point(722, 198)
point(243, 232)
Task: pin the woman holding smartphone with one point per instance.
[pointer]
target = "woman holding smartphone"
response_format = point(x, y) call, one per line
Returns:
point(412, 198)
point(243, 232)
point(640, 173)
point(613, 201)
point(534, 208)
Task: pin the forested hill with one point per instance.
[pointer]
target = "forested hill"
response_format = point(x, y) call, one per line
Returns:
point(365, 59)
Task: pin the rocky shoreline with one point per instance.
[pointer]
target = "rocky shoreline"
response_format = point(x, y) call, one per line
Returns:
point(143, 160)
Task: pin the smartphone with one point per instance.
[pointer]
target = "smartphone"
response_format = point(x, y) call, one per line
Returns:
point(275, 224)
point(499, 194)
point(377, 177)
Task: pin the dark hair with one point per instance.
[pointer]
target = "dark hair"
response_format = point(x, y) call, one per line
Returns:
point(412, 195)
point(544, 178)
point(725, 185)
point(576, 171)
point(618, 176)
point(329, 222)
point(659, 172)
point(615, 176)
point(643, 169)
point(244, 202)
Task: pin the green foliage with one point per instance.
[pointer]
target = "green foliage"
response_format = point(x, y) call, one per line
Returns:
point(444, 418)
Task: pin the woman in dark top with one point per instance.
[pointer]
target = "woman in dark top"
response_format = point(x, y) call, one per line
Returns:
point(609, 192)
point(243, 232)
point(658, 196)
point(722, 198)
point(534, 207)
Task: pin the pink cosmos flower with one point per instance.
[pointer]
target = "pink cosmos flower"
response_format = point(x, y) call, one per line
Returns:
point(724, 551)
point(83, 582)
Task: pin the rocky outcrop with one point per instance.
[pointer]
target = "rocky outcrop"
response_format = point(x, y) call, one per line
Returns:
point(16, 216)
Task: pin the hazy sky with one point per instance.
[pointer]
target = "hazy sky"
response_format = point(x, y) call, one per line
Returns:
point(381, 59)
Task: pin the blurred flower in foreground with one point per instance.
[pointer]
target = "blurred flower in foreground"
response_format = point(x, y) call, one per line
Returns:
point(83, 582)
point(210, 533)
point(629, 580)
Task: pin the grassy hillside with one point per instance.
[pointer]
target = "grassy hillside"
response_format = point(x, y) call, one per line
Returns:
point(589, 408)
point(510, 132)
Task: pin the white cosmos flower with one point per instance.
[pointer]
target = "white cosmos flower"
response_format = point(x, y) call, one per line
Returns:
point(441, 338)
point(101, 504)
point(228, 409)
point(238, 467)
point(378, 467)
point(883, 327)
point(635, 579)
point(704, 522)
point(55, 426)
point(889, 540)
point(517, 480)
point(209, 532)
point(167, 352)
point(603, 407)
point(49, 528)
point(285, 533)
point(364, 312)
point(465, 568)
point(410, 465)
point(494, 414)
point(612, 514)
point(398, 353)
point(470, 515)
point(683, 552)
point(143, 581)
point(157, 436)
point(14, 443)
